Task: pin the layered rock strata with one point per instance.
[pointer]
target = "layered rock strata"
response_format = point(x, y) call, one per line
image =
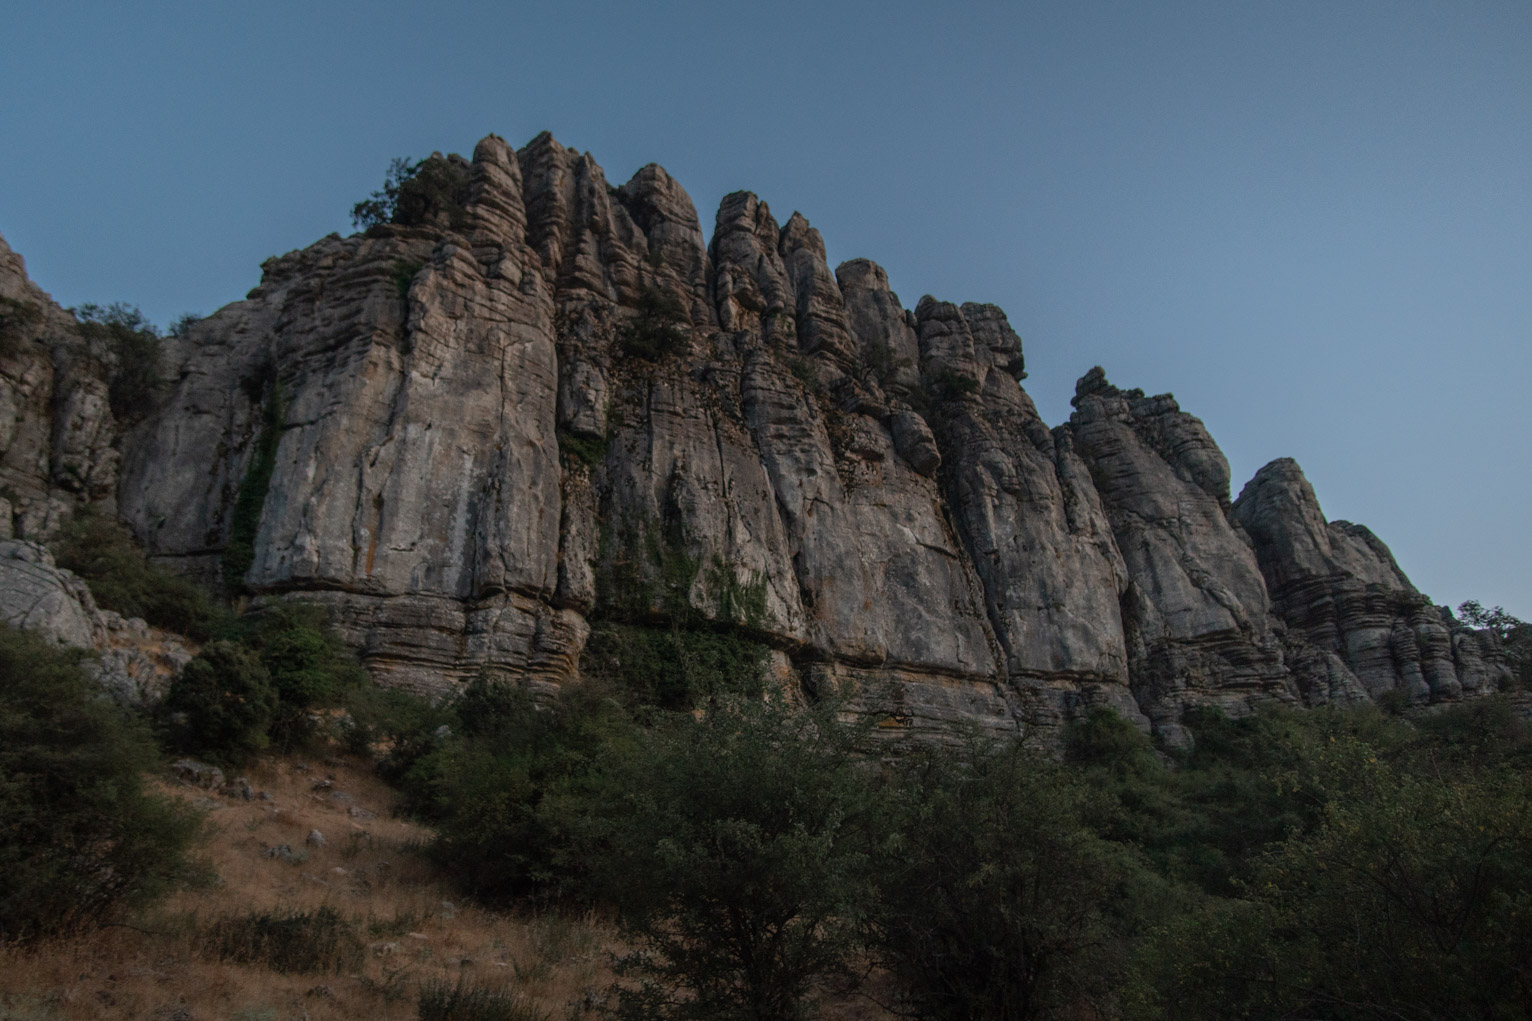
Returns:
point(555, 405)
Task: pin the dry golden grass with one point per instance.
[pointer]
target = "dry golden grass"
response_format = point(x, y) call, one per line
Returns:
point(414, 928)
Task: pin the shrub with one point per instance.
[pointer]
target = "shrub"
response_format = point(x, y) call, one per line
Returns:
point(1000, 901)
point(288, 942)
point(16, 320)
point(679, 666)
point(580, 448)
point(135, 344)
point(308, 664)
point(661, 327)
point(221, 706)
point(429, 191)
point(245, 523)
point(950, 384)
point(79, 837)
point(736, 847)
point(101, 551)
point(503, 787)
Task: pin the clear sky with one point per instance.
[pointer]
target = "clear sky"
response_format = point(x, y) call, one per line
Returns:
point(1311, 221)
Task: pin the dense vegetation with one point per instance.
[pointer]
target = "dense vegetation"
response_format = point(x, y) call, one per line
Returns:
point(79, 836)
point(134, 346)
point(757, 851)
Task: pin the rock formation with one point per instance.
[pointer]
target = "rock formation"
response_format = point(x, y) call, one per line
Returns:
point(554, 404)
point(131, 660)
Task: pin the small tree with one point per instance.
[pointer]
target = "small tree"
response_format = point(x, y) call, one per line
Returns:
point(736, 846)
point(999, 901)
point(221, 705)
point(135, 344)
point(79, 837)
point(417, 194)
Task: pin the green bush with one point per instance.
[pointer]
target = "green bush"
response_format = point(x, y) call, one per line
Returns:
point(288, 942)
point(1410, 896)
point(245, 524)
point(120, 577)
point(135, 344)
point(579, 448)
point(736, 848)
point(309, 666)
point(79, 837)
point(503, 787)
point(661, 327)
point(1000, 901)
point(16, 319)
point(426, 192)
point(221, 705)
point(677, 666)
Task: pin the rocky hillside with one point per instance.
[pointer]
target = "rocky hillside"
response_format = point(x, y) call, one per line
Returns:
point(551, 403)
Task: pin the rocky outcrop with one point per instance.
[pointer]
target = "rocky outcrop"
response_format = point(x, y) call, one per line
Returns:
point(131, 660)
point(1356, 627)
point(58, 439)
point(1195, 611)
point(552, 406)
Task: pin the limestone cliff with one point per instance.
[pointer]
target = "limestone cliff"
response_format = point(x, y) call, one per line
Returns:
point(474, 437)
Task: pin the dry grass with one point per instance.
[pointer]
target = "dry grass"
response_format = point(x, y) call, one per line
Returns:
point(414, 929)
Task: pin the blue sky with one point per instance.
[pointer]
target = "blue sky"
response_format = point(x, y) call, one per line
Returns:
point(1311, 221)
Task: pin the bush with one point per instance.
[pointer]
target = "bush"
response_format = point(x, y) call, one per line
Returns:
point(221, 706)
point(674, 667)
point(135, 344)
point(1410, 897)
point(288, 942)
point(503, 787)
point(432, 191)
point(736, 847)
point(310, 667)
point(120, 577)
point(79, 837)
point(661, 327)
point(16, 320)
point(245, 523)
point(1000, 901)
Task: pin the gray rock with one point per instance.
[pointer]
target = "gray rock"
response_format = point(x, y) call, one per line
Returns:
point(1355, 624)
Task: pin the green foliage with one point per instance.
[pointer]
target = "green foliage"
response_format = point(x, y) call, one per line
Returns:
point(404, 276)
point(1409, 897)
point(245, 524)
point(135, 344)
point(1000, 901)
point(660, 328)
point(288, 942)
point(951, 384)
point(581, 448)
point(441, 1001)
point(1515, 636)
point(503, 785)
point(673, 666)
point(736, 847)
point(79, 837)
point(432, 191)
point(221, 705)
point(309, 665)
point(16, 319)
point(884, 365)
point(101, 551)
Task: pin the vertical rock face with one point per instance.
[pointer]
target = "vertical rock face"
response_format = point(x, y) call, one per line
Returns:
point(1195, 610)
point(1356, 627)
point(58, 439)
point(551, 405)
